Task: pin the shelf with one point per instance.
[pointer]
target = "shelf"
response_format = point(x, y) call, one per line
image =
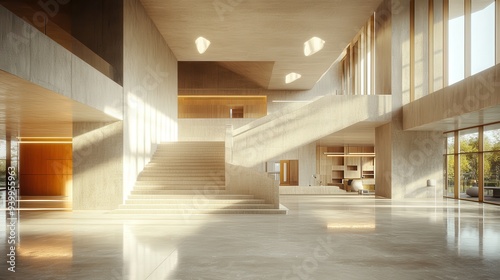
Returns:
point(337, 174)
point(368, 168)
point(337, 167)
point(352, 168)
point(368, 174)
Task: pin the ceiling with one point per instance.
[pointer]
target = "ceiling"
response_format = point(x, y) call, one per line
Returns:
point(477, 118)
point(362, 133)
point(262, 39)
point(29, 110)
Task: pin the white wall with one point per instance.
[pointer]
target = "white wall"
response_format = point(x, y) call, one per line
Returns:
point(207, 129)
point(306, 155)
point(150, 91)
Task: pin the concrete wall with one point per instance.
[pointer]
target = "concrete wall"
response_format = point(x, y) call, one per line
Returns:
point(417, 157)
point(97, 166)
point(150, 91)
point(207, 129)
point(97, 147)
point(406, 159)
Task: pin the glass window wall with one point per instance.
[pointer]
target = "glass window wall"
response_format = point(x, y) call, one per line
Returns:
point(472, 157)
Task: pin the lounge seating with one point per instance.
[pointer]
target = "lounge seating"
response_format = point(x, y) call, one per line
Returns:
point(472, 191)
point(356, 185)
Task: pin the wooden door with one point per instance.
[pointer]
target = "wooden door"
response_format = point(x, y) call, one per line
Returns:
point(289, 172)
point(294, 172)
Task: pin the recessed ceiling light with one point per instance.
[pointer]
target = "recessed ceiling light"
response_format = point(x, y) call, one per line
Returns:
point(202, 44)
point(292, 77)
point(313, 46)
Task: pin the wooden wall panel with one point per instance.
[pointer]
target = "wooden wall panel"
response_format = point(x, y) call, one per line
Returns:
point(294, 172)
point(218, 107)
point(383, 168)
point(45, 169)
point(210, 75)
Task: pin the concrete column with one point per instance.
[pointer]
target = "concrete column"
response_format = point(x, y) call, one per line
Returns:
point(97, 166)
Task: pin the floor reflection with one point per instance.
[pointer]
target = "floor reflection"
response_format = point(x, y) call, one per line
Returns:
point(473, 230)
point(322, 237)
point(145, 257)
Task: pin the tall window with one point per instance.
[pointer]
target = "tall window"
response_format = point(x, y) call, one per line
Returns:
point(437, 46)
point(482, 35)
point(451, 40)
point(456, 41)
point(358, 62)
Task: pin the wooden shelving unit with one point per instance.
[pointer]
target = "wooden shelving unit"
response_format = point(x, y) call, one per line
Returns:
point(368, 170)
point(334, 170)
point(338, 167)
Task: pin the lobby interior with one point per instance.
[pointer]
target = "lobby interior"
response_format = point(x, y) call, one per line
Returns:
point(228, 139)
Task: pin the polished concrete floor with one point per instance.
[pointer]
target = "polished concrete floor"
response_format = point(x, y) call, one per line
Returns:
point(322, 237)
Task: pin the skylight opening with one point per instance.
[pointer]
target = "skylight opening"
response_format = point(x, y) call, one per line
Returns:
point(202, 44)
point(292, 77)
point(313, 46)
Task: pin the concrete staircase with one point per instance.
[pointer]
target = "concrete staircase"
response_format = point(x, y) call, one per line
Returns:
point(189, 178)
point(292, 127)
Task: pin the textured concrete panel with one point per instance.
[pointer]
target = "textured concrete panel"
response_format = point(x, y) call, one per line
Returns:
point(93, 88)
point(97, 166)
point(150, 88)
point(406, 160)
point(14, 44)
point(416, 157)
point(207, 129)
point(50, 64)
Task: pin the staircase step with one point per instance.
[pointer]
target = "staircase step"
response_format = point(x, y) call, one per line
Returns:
point(178, 192)
point(175, 177)
point(178, 187)
point(182, 159)
point(180, 165)
point(195, 206)
point(215, 183)
point(217, 153)
point(198, 200)
point(163, 176)
point(197, 211)
point(200, 196)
